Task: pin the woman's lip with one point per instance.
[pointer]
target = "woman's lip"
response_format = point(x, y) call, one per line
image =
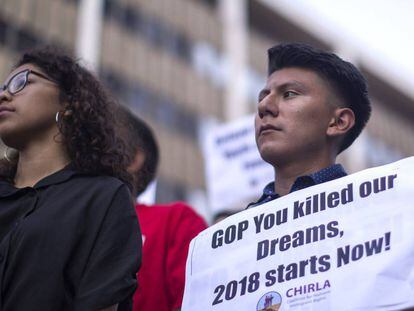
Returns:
point(5, 108)
point(5, 112)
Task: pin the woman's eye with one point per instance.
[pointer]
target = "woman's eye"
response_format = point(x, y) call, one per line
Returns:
point(17, 83)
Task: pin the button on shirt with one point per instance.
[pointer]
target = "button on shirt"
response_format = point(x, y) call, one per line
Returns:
point(68, 243)
point(327, 174)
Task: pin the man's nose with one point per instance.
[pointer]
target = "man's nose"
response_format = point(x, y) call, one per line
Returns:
point(268, 106)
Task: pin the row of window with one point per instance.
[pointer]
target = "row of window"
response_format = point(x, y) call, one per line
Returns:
point(157, 106)
point(18, 38)
point(212, 3)
point(154, 105)
point(15, 38)
point(155, 32)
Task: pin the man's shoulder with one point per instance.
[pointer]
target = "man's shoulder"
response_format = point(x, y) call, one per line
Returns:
point(268, 194)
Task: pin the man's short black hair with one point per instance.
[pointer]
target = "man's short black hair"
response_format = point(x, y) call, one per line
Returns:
point(139, 137)
point(346, 80)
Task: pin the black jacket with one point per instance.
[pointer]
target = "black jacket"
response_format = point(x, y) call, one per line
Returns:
point(72, 242)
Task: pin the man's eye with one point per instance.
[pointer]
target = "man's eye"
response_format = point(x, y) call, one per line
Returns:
point(261, 96)
point(288, 94)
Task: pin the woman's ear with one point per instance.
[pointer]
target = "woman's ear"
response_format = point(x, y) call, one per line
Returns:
point(342, 121)
point(67, 113)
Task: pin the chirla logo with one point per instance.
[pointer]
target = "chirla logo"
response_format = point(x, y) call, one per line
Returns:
point(270, 301)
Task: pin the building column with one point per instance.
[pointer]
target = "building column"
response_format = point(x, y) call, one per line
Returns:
point(234, 19)
point(88, 39)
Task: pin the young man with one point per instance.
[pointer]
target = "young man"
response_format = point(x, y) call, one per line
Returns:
point(166, 229)
point(313, 107)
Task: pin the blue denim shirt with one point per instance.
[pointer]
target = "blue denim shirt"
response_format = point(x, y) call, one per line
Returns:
point(327, 174)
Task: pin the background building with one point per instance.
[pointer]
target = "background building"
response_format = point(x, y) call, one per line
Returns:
point(183, 65)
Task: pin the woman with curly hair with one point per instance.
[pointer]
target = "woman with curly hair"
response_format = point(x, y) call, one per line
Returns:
point(68, 230)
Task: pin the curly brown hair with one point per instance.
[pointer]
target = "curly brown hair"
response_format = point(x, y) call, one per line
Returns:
point(86, 121)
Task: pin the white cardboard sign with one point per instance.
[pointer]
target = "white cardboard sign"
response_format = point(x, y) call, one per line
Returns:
point(234, 169)
point(343, 245)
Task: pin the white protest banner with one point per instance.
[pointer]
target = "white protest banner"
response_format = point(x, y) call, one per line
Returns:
point(233, 162)
point(343, 245)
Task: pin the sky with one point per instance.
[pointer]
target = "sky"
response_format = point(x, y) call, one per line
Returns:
point(379, 33)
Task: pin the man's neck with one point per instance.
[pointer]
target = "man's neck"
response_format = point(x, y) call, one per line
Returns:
point(287, 174)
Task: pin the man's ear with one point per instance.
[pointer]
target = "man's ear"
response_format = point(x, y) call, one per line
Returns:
point(136, 163)
point(342, 121)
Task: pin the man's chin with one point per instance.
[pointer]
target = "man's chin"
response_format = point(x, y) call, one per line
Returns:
point(277, 154)
point(271, 156)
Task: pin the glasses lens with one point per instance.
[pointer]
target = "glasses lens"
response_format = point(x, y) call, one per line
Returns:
point(18, 83)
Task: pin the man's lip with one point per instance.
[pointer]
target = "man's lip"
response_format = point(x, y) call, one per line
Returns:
point(268, 127)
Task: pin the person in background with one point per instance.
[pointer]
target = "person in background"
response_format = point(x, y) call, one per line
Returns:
point(313, 106)
point(222, 215)
point(167, 229)
point(67, 222)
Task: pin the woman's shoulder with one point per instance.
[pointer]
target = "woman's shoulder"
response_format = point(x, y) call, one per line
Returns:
point(75, 178)
point(103, 182)
point(98, 191)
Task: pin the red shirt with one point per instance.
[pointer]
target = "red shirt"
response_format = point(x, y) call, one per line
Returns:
point(166, 232)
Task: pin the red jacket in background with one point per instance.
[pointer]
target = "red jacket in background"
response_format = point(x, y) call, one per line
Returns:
point(166, 232)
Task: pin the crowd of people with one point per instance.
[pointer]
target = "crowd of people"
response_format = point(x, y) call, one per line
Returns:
point(73, 236)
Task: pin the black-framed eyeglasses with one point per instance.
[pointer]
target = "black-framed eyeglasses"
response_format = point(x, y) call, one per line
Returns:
point(20, 80)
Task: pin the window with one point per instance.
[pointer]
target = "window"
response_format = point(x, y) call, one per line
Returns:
point(152, 29)
point(3, 32)
point(152, 104)
point(211, 3)
point(25, 40)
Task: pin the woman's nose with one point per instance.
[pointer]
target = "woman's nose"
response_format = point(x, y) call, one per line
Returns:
point(4, 95)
